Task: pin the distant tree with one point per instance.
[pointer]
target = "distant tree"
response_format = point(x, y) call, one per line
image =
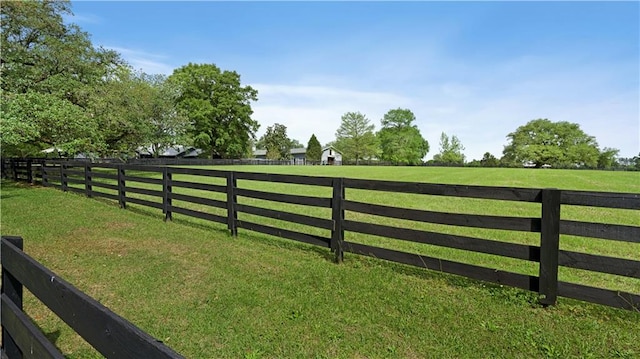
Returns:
point(168, 125)
point(559, 144)
point(450, 150)
point(489, 160)
point(400, 139)
point(277, 143)
point(314, 150)
point(355, 137)
point(296, 144)
point(607, 158)
point(219, 108)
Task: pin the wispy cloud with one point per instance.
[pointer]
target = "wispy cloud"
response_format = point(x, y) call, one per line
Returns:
point(145, 61)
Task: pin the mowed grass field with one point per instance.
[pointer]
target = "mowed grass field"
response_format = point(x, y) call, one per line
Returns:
point(209, 295)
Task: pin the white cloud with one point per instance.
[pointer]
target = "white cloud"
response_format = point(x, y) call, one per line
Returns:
point(147, 62)
point(307, 110)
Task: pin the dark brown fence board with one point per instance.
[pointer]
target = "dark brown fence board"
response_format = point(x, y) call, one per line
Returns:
point(198, 200)
point(282, 178)
point(198, 214)
point(110, 334)
point(76, 190)
point(616, 232)
point(141, 168)
point(31, 341)
point(157, 181)
point(485, 192)
point(144, 202)
point(201, 186)
point(505, 249)
point(284, 233)
point(286, 216)
point(70, 172)
point(114, 197)
point(285, 198)
point(198, 172)
point(601, 199)
point(468, 270)
point(598, 263)
point(612, 298)
point(74, 180)
point(148, 192)
point(454, 219)
point(94, 174)
point(104, 185)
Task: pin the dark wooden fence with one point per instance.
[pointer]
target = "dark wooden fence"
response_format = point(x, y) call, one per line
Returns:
point(110, 334)
point(221, 191)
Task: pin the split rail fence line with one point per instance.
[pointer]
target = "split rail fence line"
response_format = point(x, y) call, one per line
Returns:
point(115, 181)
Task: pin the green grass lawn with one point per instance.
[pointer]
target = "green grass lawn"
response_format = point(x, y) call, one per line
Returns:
point(209, 295)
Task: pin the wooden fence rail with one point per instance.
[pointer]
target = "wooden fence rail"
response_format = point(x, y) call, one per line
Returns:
point(110, 334)
point(232, 204)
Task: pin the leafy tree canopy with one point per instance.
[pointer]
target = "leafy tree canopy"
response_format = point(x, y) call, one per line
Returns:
point(559, 144)
point(314, 149)
point(219, 108)
point(277, 143)
point(48, 72)
point(400, 139)
point(450, 150)
point(355, 137)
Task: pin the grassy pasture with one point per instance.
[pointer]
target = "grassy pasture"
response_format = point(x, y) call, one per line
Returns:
point(209, 295)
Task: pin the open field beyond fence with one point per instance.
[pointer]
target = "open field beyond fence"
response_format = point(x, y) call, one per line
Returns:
point(358, 309)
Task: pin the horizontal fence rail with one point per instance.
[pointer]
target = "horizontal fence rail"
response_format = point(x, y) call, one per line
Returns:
point(248, 201)
point(110, 334)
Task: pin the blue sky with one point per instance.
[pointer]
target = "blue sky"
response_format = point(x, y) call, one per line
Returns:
point(477, 70)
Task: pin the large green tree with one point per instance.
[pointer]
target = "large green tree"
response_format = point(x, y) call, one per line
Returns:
point(219, 108)
point(314, 149)
point(355, 137)
point(168, 124)
point(277, 143)
point(608, 158)
point(123, 107)
point(450, 150)
point(559, 144)
point(48, 72)
point(400, 139)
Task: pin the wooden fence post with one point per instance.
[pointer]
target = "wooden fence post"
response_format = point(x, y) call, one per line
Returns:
point(63, 176)
point(12, 288)
point(166, 191)
point(88, 188)
point(121, 188)
point(337, 214)
point(13, 169)
point(30, 176)
point(45, 178)
point(549, 246)
point(232, 199)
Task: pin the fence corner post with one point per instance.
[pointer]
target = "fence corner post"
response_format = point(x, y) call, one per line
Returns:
point(549, 247)
point(12, 288)
point(166, 191)
point(30, 176)
point(121, 187)
point(337, 215)
point(63, 176)
point(232, 199)
point(88, 188)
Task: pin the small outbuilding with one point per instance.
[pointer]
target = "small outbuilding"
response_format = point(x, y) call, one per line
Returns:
point(331, 156)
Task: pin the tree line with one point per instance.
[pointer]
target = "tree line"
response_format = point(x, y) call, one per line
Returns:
point(60, 92)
